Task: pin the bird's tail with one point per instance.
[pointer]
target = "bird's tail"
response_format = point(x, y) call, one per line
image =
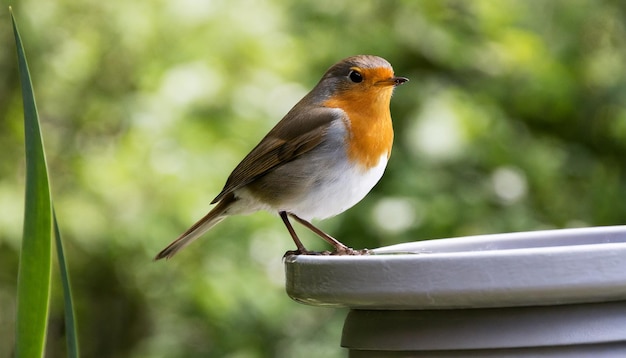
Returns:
point(214, 216)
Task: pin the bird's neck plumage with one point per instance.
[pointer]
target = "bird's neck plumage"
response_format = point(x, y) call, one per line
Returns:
point(370, 130)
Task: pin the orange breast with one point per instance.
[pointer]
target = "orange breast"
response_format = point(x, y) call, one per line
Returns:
point(370, 128)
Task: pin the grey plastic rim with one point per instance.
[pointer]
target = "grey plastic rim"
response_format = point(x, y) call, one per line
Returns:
point(504, 270)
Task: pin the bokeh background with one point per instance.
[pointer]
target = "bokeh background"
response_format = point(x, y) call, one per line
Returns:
point(514, 120)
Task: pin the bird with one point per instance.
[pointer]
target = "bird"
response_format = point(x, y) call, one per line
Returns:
point(320, 159)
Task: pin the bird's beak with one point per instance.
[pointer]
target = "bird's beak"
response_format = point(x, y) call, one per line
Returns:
point(393, 81)
point(397, 81)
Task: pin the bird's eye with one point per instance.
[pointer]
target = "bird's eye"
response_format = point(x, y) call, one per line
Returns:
point(355, 76)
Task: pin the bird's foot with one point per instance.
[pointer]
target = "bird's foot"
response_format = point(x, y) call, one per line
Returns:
point(342, 251)
point(305, 252)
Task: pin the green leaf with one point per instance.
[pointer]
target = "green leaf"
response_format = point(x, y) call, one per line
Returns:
point(70, 321)
point(33, 281)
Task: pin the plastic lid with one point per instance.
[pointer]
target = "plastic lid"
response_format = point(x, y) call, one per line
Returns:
point(503, 270)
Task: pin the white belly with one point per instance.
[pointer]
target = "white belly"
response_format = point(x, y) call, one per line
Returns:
point(340, 191)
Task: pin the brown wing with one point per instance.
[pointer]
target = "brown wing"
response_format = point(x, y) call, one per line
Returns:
point(293, 136)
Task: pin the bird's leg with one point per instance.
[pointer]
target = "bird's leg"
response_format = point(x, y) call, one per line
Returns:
point(331, 240)
point(301, 249)
point(340, 248)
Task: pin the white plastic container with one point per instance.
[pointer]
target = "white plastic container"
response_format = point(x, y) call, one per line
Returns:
point(556, 293)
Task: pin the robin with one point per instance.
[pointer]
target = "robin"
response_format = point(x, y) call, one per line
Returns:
point(321, 159)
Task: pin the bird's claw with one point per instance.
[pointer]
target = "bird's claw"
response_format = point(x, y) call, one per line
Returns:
point(342, 251)
point(303, 252)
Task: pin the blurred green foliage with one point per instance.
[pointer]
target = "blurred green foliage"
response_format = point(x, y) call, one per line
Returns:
point(514, 120)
